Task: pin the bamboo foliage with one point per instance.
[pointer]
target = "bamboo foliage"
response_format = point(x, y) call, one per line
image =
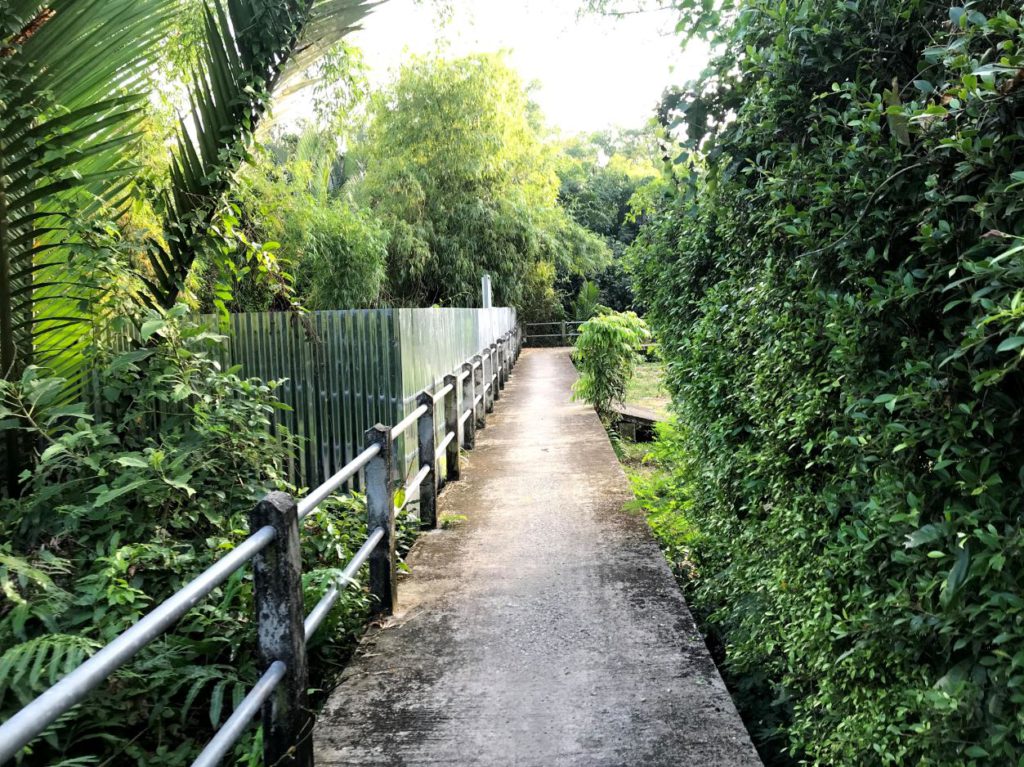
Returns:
point(249, 44)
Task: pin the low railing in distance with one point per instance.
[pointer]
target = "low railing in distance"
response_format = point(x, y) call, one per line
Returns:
point(562, 333)
point(273, 547)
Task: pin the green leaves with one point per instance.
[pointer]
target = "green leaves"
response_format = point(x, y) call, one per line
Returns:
point(606, 353)
point(839, 295)
point(247, 45)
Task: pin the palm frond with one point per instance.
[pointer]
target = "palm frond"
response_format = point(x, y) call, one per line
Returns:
point(249, 43)
point(68, 75)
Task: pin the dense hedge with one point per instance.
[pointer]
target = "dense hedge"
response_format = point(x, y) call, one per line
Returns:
point(838, 290)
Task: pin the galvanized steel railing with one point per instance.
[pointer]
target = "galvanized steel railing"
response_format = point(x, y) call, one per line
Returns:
point(467, 394)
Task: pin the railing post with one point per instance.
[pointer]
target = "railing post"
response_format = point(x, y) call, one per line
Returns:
point(565, 338)
point(497, 372)
point(492, 378)
point(468, 397)
point(428, 485)
point(479, 391)
point(451, 426)
point(277, 576)
point(380, 512)
point(502, 364)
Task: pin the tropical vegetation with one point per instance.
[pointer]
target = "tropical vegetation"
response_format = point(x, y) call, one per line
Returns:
point(837, 289)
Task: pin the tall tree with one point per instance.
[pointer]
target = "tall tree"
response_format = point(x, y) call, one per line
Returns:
point(457, 169)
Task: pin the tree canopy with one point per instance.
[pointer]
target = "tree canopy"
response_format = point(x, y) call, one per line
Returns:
point(456, 167)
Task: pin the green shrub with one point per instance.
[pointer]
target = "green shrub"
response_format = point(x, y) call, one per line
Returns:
point(606, 353)
point(120, 512)
point(839, 291)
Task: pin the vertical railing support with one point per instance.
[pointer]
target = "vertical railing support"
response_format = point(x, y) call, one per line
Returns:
point(565, 338)
point(451, 426)
point(468, 397)
point(380, 512)
point(479, 391)
point(425, 441)
point(277, 577)
point(492, 378)
point(498, 373)
point(502, 365)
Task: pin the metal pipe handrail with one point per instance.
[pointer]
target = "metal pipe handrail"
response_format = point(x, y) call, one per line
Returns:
point(242, 716)
point(440, 394)
point(444, 444)
point(563, 322)
point(346, 577)
point(31, 720)
point(21, 728)
point(415, 482)
point(350, 469)
point(240, 719)
point(408, 421)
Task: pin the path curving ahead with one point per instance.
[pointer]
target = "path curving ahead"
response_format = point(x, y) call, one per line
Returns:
point(546, 629)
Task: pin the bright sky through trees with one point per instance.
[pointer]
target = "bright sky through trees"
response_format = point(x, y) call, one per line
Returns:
point(591, 72)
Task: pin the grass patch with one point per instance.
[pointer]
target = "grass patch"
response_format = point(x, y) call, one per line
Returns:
point(647, 388)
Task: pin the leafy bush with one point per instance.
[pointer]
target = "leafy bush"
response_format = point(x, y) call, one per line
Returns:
point(839, 293)
point(606, 353)
point(120, 512)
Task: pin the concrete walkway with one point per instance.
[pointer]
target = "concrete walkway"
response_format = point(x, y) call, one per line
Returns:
point(546, 629)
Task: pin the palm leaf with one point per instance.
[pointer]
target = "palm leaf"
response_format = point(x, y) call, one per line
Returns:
point(249, 46)
point(70, 75)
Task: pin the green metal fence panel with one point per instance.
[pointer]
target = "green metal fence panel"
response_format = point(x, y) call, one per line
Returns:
point(344, 371)
point(337, 382)
point(435, 342)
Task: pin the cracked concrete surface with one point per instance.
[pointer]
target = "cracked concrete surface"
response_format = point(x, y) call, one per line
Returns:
point(547, 628)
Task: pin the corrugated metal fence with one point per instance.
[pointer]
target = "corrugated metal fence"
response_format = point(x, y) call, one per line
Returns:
point(349, 369)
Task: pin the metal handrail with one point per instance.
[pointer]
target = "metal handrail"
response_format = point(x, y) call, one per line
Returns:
point(21, 728)
point(444, 445)
point(241, 717)
point(31, 720)
point(345, 578)
point(439, 395)
point(409, 420)
point(350, 469)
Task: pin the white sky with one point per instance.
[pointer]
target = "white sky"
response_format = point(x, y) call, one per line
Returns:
point(592, 72)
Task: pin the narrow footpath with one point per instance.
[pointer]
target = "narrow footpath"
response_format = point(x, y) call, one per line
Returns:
point(543, 627)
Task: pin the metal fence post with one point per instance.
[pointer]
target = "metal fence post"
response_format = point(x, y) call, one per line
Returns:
point(451, 426)
point(468, 397)
point(478, 390)
point(277, 576)
point(492, 378)
point(380, 512)
point(428, 485)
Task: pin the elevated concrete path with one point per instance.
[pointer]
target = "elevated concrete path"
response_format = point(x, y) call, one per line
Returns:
point(546, 628)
